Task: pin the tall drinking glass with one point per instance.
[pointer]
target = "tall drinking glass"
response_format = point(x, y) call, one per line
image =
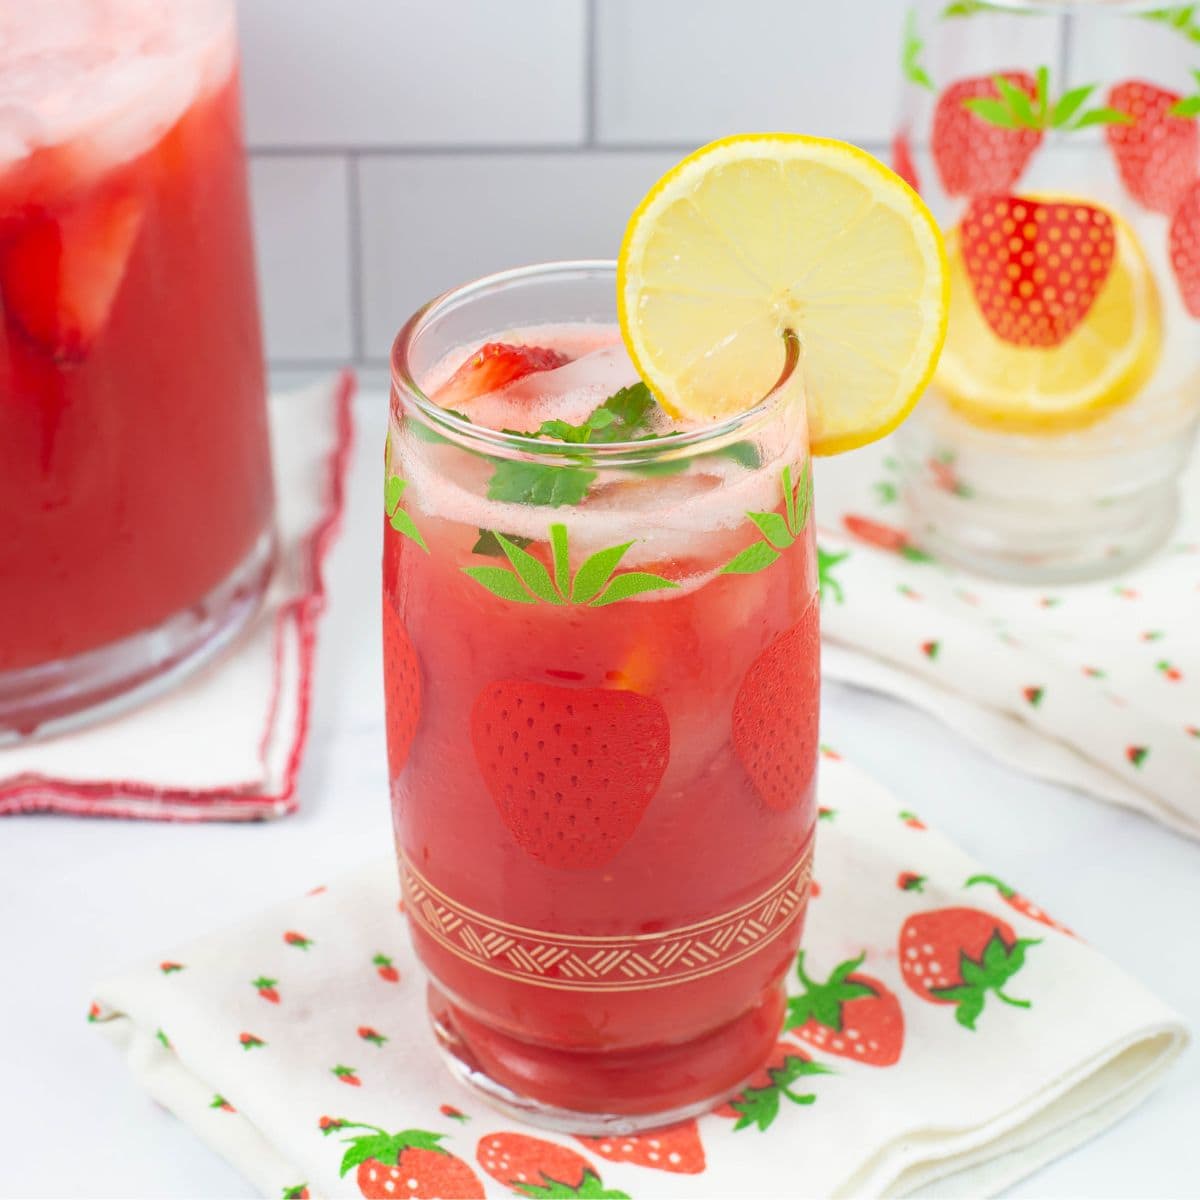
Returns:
point(135, 479)
point(1059, 145)
point(601, 666)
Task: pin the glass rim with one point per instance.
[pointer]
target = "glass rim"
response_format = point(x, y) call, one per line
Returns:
point(635, 452)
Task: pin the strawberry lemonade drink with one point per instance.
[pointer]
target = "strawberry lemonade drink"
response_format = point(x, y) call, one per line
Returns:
point(135, 484)
point(601, 632)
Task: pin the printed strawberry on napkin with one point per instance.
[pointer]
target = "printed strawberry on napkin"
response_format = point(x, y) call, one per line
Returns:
point(297, 1044)
point(252, 703)
point(1093, 685)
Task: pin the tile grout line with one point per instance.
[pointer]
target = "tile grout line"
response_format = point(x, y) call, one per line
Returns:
point(549, 150)
point(358, 333)
point(589, 73)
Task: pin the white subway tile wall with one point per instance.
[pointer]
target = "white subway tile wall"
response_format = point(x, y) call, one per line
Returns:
point(399, 147)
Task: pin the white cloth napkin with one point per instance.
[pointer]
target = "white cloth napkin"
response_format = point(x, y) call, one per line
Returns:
point(1093, 685)
point(284, 1040)
point(252, 703)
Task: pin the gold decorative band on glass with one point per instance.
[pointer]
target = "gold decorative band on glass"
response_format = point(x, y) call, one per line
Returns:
point(627, 963)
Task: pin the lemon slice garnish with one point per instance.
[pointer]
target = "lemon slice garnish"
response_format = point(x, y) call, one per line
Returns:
point(761, 233)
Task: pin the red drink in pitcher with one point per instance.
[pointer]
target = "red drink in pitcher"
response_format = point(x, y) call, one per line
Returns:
point(602, 697)
point(135, 483)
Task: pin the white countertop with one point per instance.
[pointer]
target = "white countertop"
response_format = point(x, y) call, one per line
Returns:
point(81, 898)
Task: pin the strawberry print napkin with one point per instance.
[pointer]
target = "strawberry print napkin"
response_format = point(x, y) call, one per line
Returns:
point(297, 1044)
point(252, 703)
point(1094, 685)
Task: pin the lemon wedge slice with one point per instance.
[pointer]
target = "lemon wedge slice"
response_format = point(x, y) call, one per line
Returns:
point(1101, 365)
point(757, 234)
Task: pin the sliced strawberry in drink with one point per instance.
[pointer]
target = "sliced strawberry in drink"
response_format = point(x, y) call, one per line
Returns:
point(60, 275)
point(493, 366)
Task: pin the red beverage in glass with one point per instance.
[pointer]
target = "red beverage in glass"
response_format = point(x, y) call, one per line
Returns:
point(602, 686)
point(135, 483)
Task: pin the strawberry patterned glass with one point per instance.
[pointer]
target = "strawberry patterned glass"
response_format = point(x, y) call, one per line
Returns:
point(601, 663)
point(1059, 145)
point(135, 479)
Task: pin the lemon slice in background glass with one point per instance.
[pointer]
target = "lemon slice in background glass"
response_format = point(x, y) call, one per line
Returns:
point(1102, 364)
point(760, 233)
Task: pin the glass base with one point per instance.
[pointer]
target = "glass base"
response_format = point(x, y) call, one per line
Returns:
point(620, 1092)
point(57, 697)
point(1053, 541)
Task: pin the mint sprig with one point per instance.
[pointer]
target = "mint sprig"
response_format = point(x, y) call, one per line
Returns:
point(596, 583)
point(619, 419)
point(623, 417)
point(778, 530)
point(1014, 108)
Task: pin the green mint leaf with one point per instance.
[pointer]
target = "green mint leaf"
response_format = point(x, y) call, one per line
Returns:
point(1186, 108)
point(745, 454)
point(423, 433)
point(757, 557)
point(595, 572)
point(964, 8)
point(488, 545)
point(994, 112)
point(671, 466)
point(393, 490)
point(533, 574)
point(1103, 116)
point(562, 431)
point(1069, 103)
point(602, 418)
point(561, 558)
point(403, 524)
point(632, 583)
point(773, 527)
point(500, 583)
point(539, 483)
point(630, 407)
point(1018, 102)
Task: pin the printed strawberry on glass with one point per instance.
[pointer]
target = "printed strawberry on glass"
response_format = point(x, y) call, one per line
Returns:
point(1059, 145)
point(135, 477)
